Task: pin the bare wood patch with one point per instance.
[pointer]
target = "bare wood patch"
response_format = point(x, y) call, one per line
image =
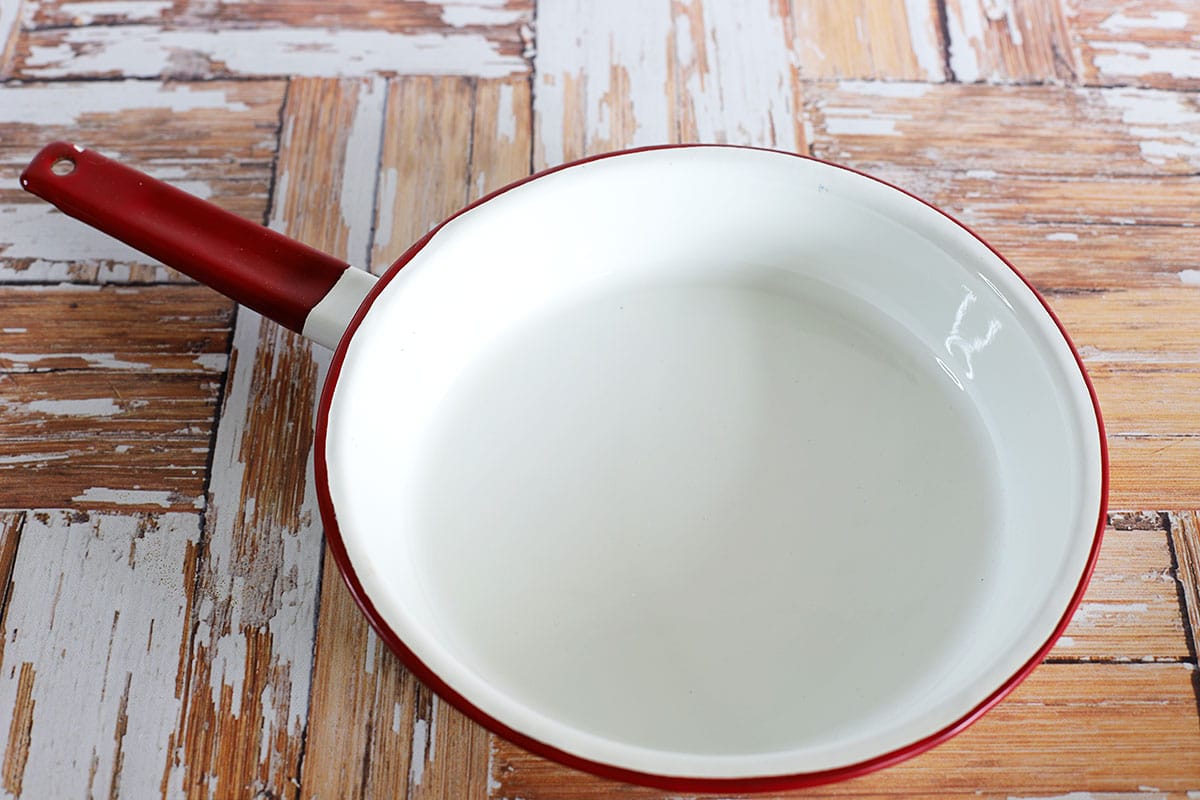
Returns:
point(1185, 535)
point(423, 170)
point(247, 669)
point(950, 127)
point(1131, 610)
point(214, 140)
point(16, 751)
point(1064, 257)
point(1022, 40)
point(1068, 728)
point(446, 141)
point(88, 589)
point(893, 40)
point(1138, 42)
point(101, 412)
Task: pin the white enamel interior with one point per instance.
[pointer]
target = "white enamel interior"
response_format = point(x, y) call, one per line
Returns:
point(714, 462)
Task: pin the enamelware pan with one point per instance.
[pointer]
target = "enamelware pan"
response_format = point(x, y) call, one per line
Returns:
point(703, 467)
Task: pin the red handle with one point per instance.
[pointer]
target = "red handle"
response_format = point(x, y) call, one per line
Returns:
point(272, 274)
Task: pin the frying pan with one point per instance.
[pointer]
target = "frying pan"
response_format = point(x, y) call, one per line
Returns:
point(703, 467)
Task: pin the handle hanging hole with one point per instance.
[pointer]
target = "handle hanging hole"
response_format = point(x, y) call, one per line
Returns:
point(63, 166)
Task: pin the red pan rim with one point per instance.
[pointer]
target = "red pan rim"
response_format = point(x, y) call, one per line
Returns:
point(337, 547)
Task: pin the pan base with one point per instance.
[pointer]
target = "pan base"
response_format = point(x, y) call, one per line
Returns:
point(709, 518)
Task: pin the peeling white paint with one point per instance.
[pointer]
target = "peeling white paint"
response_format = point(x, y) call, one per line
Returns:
point(737, 81)
point(118, 581)
point(982, 174)
point(65, 104)
point(16, 330)
point(1062, 237)
point(1090, 612)
point(596, 40)
point(388, 186)
point(33, 458)
point(480, 13)
point(1158, 20)
point(1137, 59)
point(506, 114)
point(1190, 276)
point(1165, 124)
point(29, 362)
point(361, 168)
point(125, 497)
point(1066, 641)
point(150, 51)
point(396, 718)
point(90, 407)
point(86, 13)
point(211, 362)
point(965, 26)
point(848, 121)
point(40, 231)
point(420, 741)
point(923, 37)
point(904, 89)
point(8, 24)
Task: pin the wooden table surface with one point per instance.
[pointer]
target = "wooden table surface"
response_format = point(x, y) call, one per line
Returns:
point(171, 623)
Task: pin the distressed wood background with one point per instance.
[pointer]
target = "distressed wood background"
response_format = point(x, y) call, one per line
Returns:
point(169, 624)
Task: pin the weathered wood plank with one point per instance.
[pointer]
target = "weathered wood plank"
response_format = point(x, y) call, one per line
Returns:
point(502, 18)
point(424, 164)
point(457, 140)
point(892, 40)
point(1014, 41)
point(1131, 610)
point(215, 140)
point(246, 669)
point(92, 631)
point(9, 28)
point(1138, 42)
point(1061, 131)
point(97, 411)
point(1068, 728)
point(1064, 257)
point(1185, 537)
point(205, 40)
point(688, 70)
point(733, 74)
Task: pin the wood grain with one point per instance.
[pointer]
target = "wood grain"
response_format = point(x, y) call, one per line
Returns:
point(1131, 611)
point(204, 40)
point(1063, 131)
point(247, 666)
point(367, 710)
point(891, 40)
point(1185, 539)
point(214, 140)
point(105, 591)
point(1136, 42)
point(97, 412)
point(1068, 728)
point(1016, 41)
point(720, 85)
